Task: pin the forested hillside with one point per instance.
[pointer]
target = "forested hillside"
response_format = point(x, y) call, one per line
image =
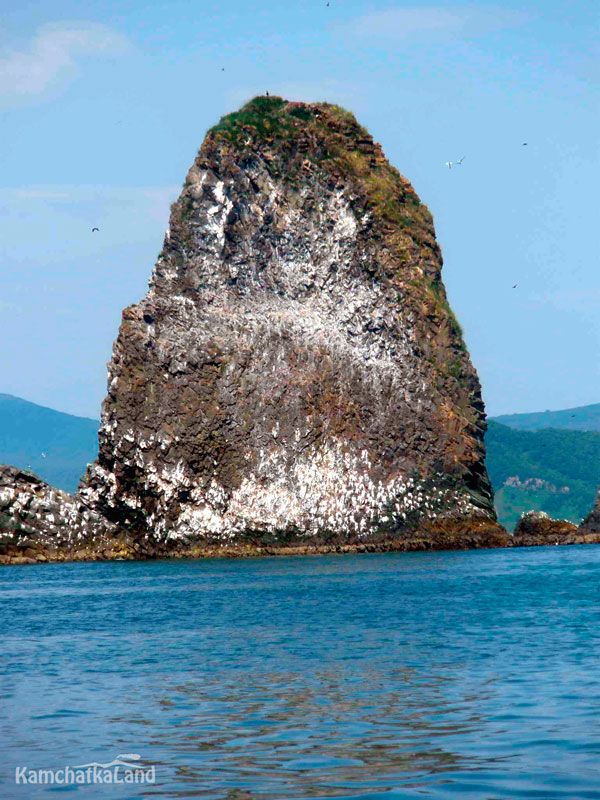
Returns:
point(557, 471)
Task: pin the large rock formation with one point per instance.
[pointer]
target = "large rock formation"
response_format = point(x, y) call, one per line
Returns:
point(295, 372)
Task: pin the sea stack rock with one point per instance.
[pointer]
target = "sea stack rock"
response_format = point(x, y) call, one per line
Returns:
point(295, 372)
point(591, 524)
point(538, 528)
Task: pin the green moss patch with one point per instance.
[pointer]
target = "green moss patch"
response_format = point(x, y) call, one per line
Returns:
point(328, 137)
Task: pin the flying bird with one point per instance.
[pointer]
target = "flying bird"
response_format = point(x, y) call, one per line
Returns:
point(460, 160)
point(515, 286)
point(96, 229)
point(449, 164)
point(524, 144)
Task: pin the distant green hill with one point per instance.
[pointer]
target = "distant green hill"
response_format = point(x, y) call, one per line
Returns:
point(557, 471)
point(54, 445)
point(583, 418)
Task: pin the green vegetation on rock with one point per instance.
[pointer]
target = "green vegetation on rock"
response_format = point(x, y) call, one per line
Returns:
point(263, 114)
point(337, 142)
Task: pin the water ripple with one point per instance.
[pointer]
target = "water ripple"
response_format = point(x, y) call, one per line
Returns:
point(446, 675)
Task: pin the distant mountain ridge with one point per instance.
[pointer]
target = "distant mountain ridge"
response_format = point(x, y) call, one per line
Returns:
point(54, 445)
point(581, 418)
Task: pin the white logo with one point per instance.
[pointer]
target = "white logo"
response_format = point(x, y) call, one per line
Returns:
point(123, 769)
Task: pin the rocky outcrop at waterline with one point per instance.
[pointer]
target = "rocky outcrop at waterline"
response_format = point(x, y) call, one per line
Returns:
point(536, 528)
point(295, 373)
point(591, 524)
point(39, 523)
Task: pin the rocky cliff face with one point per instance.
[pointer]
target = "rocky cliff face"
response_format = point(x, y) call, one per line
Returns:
point(591, 524)
point(295, 371)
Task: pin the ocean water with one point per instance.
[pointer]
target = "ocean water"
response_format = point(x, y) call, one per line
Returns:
point(409, 675)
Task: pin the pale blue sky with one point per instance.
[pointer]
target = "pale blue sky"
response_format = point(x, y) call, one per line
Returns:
point(103, 106)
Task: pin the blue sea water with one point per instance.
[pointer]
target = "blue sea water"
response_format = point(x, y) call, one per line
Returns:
point(409, 675)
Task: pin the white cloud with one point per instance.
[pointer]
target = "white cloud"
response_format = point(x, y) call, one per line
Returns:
point(51, 56)
point(434, 21)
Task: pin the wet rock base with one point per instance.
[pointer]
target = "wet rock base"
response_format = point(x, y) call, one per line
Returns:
point(40, 524)
point(536, 528)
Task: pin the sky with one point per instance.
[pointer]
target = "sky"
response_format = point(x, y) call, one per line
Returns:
point(104, 105)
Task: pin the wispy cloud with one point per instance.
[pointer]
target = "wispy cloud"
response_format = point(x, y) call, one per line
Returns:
point(39, 194)
point(151, 203)
point(48, 221)
point(570, 300)
point(432, 22)
point(52, 56)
